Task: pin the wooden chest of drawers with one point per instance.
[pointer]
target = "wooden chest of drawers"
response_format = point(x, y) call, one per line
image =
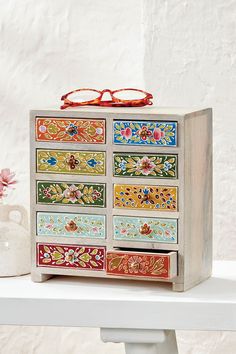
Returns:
point(122, 193)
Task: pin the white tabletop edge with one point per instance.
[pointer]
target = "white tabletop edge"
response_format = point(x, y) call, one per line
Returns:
point(103, 303)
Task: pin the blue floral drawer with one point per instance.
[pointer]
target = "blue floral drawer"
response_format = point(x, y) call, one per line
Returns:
point(129, 228)
point(145, 133)
point(71, 225)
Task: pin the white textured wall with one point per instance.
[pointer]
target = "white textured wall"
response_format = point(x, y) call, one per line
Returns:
point(185, 52)
point(190, 59)
point(48, 48)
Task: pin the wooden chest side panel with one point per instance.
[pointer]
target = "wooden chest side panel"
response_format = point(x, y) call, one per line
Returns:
point(198, 198)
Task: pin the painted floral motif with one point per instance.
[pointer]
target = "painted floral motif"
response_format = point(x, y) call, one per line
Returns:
point(70, 256)
point(71, 225)
point(145, 133)
point(128, 228)
point(68, 193)
point(71, 162)
point(145, 197)
point(137, 264)
point(151, 166)
point(83, 131)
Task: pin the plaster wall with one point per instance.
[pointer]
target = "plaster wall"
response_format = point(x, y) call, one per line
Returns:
point(182, 51)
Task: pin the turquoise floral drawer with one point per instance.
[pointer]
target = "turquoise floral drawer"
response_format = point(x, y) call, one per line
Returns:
point(153, 133)
point(71, 225)
point(129, 228)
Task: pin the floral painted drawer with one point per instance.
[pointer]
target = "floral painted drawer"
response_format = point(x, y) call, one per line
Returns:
point(129, 228)
point(71, 225)
point(139, 264)
point(70, 256)
point(153, 133)
point(89, 163)
point(66, 193)
point(145, 197)
point(145, 166)
point(82, 131)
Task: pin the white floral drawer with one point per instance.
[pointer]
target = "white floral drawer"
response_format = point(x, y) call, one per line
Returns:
point(71, 225)
point(129, 228)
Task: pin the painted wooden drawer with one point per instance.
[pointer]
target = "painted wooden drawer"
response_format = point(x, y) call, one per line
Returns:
point(70, 256)
point(71, 162)
point(145, 197)
point(129, 228)
point(68, 193)
point(149, 133)
point(71, 225)
point(140, 264)
point(76, 130)
point(145, 165)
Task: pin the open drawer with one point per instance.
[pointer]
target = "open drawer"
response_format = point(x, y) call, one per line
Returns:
point(142, 264)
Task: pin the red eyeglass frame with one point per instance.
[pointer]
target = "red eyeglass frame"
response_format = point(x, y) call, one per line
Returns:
point(114, 102)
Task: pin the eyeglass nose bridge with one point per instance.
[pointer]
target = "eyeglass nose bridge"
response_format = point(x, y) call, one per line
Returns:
point(106, 91)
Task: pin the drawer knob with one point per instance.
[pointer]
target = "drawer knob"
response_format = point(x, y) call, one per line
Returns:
point(72, 162)
point(145, 229)
point(144, 133)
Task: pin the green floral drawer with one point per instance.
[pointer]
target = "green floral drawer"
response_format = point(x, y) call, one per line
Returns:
point(66, 193)
point(71, 162)
point(129, 228)
point(71, 225)
point(145, 166)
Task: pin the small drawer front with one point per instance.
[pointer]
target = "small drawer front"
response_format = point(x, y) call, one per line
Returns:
point(68, 193)
point(137, 264)
point(71, 225)
point(145, 197)
point(70, 256)
point(145, 165)
point(150, 133)
point(89, 163)
point(82, 131)
point(128, 228)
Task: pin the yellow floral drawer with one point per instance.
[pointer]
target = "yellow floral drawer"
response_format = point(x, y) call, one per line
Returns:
point(71, 162)
point(145, 197)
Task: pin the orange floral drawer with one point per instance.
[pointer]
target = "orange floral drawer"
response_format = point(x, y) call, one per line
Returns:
point(139, 264)
point(145, 197)
point(76, 130)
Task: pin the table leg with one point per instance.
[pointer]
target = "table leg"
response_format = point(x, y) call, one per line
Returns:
point(142, 341)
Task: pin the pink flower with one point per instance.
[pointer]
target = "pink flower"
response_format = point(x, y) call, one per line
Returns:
point(145, 166)
point(6, 177)
point(158, 134)
point(123, 231)
point(127, 133)
point(72, 193)
point(2, 192)
point(95, 229)
point(49, 226)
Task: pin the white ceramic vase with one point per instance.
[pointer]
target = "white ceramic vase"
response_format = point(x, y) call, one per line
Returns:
point(14, 242)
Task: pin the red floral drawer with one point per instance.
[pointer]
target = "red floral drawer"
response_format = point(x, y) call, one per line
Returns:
point(139, 264)
point(70, 256)
point(67, 130)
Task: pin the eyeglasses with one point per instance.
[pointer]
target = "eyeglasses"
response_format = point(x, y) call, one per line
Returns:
point(127, 97)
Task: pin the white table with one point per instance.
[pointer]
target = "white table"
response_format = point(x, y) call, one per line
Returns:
point(142, 315)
